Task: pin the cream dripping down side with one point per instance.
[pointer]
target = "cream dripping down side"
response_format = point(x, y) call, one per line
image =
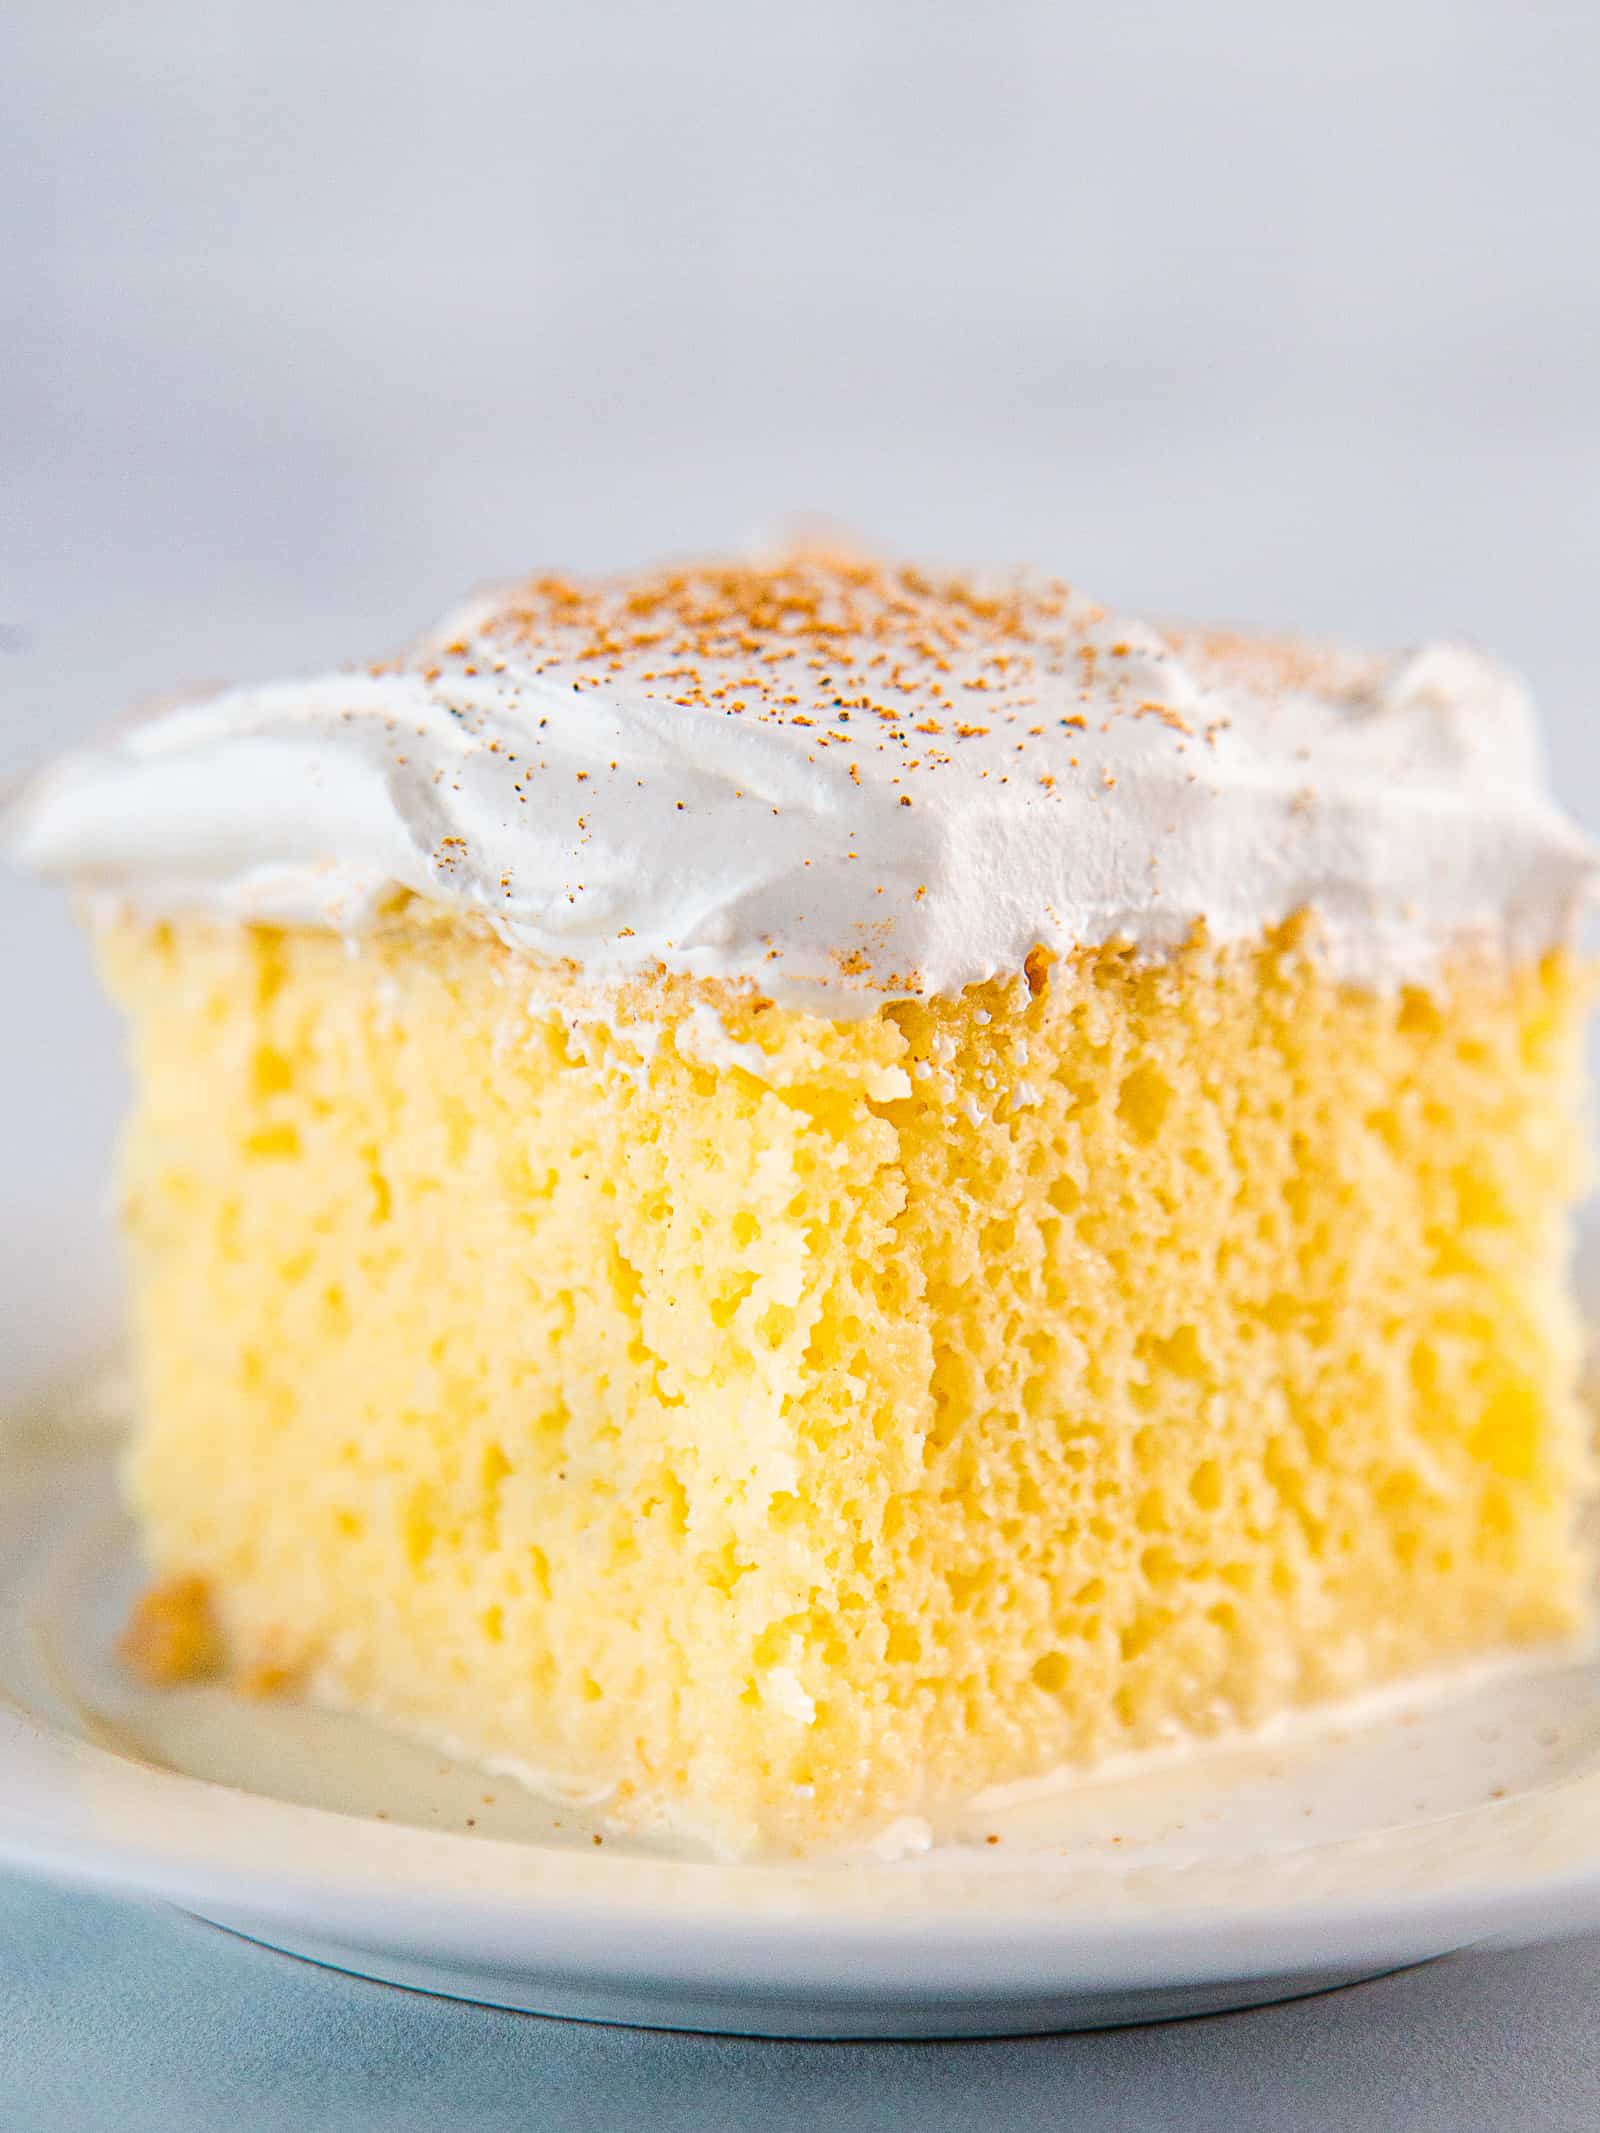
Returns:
point(842, 781)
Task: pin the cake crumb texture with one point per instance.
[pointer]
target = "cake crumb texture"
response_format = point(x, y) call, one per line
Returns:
point(789, 1424)
point(172, 1634)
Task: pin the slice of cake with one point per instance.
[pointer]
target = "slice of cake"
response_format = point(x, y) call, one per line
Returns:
point(781, 1192)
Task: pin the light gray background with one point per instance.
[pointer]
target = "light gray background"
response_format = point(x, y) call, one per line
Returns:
point(311, 315)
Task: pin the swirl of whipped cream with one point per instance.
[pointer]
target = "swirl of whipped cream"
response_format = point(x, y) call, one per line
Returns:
point(842, 781)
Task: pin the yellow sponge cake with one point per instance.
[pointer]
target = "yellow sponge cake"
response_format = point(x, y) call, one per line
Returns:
point(784, 1191)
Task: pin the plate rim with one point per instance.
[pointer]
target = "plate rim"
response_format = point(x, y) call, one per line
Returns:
point(1201, 1941)
point(79, 1812)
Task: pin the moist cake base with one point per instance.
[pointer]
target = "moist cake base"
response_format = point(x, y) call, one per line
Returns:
point(785, 1425)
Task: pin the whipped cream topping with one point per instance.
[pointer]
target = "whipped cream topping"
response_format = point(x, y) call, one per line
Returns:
point(842, 781)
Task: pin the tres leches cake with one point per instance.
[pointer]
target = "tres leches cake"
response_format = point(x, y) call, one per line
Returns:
point(780, 1192)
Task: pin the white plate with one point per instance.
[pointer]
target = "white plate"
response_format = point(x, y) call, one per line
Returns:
point(1251, 1873)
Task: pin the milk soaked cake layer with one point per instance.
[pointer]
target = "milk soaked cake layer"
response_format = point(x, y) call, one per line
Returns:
point(778, 1425)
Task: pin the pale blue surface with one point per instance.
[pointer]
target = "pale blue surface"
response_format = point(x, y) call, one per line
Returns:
point(115, 2018)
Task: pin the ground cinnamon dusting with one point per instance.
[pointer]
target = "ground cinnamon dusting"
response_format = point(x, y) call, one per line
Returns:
point(857, 636)
point(870, 667)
